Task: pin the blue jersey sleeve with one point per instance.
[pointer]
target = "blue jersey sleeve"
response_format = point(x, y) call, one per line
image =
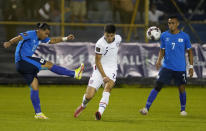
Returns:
point(26, 35)
point(162, 42)
point(187, 42)
point(47, 40)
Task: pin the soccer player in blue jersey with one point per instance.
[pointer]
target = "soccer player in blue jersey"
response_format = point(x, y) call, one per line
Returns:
point(174, 44)
point(29, 66)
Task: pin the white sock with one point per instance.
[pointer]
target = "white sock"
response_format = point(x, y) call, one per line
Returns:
point(103, 102)
point(85, 101)
point(39, 113)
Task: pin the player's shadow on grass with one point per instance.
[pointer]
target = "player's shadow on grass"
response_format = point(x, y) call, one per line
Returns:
point(112, 120)
point(122, 121)
point(194, 119)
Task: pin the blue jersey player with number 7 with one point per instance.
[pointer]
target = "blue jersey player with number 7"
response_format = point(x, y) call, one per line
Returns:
point(29, 66)
point(174, 44)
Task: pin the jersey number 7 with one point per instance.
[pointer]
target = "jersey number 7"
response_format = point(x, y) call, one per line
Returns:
point(173, 45)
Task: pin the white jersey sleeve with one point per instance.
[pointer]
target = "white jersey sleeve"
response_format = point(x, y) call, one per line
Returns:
point(99, 48)
point(118, 40)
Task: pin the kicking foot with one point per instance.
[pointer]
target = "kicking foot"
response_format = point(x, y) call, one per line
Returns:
point(40, 116)
point(79, 71)
point(143, 111)
point(98, 115)
point(78, 111)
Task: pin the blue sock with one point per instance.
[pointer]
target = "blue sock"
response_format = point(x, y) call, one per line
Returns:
point(183, 100)
point(35, 100)
point(62, 71)
point(151, 98)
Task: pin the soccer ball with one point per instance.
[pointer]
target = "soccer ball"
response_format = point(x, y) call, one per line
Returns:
point(153, 33)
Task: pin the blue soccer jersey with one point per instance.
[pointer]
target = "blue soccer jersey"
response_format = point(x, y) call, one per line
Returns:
point(175, 46)
point(28, 45)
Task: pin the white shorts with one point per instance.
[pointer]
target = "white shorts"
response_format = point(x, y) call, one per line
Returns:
point(96, 79)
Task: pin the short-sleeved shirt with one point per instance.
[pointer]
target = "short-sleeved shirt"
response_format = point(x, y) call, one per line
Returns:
point(28, 45)
point(175, 46)
point(108, 51)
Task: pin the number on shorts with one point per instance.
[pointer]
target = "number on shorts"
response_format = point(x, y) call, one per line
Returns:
point(184, 77)
point(114, 75)
point(42, 61)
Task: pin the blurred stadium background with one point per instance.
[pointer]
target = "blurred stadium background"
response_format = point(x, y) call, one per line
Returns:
point(86, 18)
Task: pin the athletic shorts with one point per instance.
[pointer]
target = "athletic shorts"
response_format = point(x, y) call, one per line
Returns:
point(96, 79)
point(166, 75)
point(29, 67)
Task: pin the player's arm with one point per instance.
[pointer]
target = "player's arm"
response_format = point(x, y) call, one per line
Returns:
point(12, 41)
point(61, 39)
point(190, 57)
point(161, 52)
point(100, 68)
point(190, 54)
point(160, 57)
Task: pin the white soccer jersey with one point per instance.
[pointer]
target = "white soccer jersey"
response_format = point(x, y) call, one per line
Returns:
point(108, 51)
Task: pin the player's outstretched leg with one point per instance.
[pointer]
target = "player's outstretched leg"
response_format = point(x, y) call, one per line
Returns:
point(63, 71)
point(90, 92)
point(151, 98)
point(36, 101)
point(182, 95)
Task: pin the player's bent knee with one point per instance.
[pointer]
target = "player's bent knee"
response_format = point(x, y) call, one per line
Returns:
point(89, 96)
point(182, 88)
point(158, 86)
point(108, 89)
point(48, 65)
point(90, 92)
point(108, 86)
point(35, 84)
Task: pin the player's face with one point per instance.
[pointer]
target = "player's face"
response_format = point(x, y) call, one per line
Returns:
point(173, 24)
point(43, 34)
point(109, 37)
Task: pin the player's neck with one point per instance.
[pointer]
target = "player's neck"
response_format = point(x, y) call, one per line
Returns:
point(110, 41)
point(174, 31)
point(37, 33)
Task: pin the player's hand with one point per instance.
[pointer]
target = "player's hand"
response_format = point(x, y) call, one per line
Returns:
point(106, 79)
point(70, 37)
point(191, 72)
point(158, 65)
point(7, 44)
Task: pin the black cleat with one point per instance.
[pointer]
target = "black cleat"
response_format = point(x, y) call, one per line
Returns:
point(98, 115)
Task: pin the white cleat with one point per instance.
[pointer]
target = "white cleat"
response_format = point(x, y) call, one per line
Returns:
point(143, 111)
point(40, 116)
point(183, 113)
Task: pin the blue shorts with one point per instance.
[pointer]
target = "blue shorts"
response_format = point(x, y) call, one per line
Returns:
point(29, 67)
point(166, 75)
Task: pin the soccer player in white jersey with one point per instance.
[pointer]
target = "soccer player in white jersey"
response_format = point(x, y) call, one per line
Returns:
point(104, 70)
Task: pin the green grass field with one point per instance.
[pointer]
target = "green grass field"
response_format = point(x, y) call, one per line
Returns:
point(60, 102)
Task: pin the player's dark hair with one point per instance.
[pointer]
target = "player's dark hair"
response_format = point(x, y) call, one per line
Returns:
point(173, 17)
point(43, 26)
point(110, 28)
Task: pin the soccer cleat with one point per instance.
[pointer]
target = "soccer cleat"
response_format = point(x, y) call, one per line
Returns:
point(40, 116)
point(143, 111)
point(98, 115)
point(78, 111)
point(79, 71)
point(183, 113)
